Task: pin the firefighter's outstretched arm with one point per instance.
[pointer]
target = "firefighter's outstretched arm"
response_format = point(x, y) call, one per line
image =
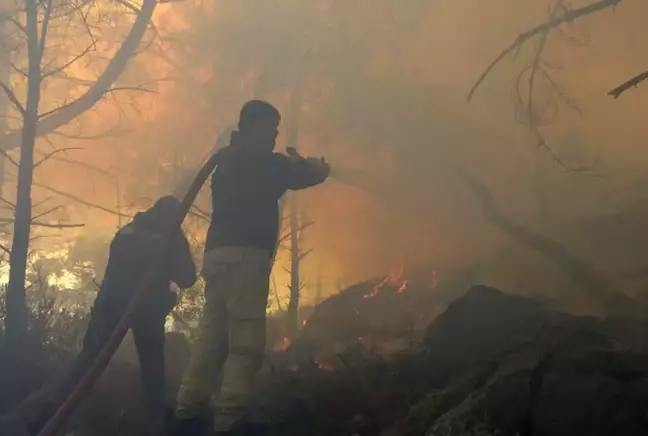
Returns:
point(302, 173)
point(183, 267)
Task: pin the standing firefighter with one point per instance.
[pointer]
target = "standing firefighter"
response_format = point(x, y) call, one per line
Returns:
point(132, 251)
point(246, 187)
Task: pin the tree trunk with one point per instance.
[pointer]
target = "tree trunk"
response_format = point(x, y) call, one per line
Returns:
point(95, 93)
point(17, 315)
point(292, 315)
point(5, 74)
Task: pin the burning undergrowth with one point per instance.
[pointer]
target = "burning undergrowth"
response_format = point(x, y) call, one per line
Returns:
point(490, 363)
point(383, 314)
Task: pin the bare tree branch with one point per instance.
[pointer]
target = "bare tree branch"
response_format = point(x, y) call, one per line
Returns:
point(66, 106)
point(631, 83)
point(199, 213)
point(533, 121)
point(108, 133)
point(16, 68)
point(8, 203)
point(69, 63)
point(532, 113)
point(57, 225)
point(7, 17)
point(81, 164)
point(47, 212)
point(94, 94)
point(54, 152)
point(12, 98)
point(129, 5)
point(305, 253)
point(41, 202)
point(82, 201)
point(44, 28)
point(566, 17)
point(299, 229)
point(8, 157)
point(582, 273)
point(5, 221)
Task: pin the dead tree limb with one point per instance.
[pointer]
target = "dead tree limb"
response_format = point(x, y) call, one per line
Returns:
point(78, 163)
point(601, 288)
point(102, 85)
point(12, 98)
point(631, 83)
point(47, 225)
point(82, 201)
point(54, 152)
point(567, 16)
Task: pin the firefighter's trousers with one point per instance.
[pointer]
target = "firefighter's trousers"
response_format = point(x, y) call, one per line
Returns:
point(148, 333)
point(231, 338)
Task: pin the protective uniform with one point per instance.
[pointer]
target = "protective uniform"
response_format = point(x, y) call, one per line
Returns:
point(131, 251)
point(242, 238)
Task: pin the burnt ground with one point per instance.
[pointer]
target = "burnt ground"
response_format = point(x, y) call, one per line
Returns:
point(396, 364)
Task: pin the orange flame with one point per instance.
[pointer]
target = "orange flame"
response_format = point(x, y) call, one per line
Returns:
point(284, 344)
point(394, 278)
point(325, 366)
point(435, 279)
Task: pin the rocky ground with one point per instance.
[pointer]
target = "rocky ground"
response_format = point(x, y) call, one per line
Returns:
point(408, 363)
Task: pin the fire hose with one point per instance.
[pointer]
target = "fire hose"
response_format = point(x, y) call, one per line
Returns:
point(85, 384)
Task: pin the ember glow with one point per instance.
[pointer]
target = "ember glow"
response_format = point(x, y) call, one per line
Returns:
point(325, 366)
point(435, 279)
point(284, 344)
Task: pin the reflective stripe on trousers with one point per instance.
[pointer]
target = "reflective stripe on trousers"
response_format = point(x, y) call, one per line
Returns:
point(231, 335)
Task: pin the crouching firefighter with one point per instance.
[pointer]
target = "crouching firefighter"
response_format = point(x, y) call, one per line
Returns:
point(246, 186)
point(132, 251)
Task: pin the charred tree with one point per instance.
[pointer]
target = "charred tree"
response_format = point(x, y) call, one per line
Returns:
point(292, 315)
point(296, 225)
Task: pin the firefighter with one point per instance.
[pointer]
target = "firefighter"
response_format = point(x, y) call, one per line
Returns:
point(132, 250)
point(246, 186)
